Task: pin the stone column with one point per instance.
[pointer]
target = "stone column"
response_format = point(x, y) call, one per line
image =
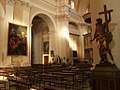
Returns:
point(63, 31)
point(81, 41)
point(51, 43)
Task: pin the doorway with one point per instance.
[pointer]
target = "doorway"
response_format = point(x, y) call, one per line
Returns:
point(40, 35)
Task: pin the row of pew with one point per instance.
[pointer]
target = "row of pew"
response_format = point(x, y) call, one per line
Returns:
point(57, 77)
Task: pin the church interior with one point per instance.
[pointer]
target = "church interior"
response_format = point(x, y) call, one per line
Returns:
point(49, 45)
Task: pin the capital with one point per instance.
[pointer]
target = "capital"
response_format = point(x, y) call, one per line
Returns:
point(11, 2)
point(26, 5)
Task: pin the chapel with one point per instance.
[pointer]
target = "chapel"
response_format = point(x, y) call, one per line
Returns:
point(49, 45)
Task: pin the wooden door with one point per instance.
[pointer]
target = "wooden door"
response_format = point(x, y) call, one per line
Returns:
point(46, 58)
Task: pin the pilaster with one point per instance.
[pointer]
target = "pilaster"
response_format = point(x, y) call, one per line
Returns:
point(10, 9)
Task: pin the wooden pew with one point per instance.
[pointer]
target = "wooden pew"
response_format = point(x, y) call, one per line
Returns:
point(18, 84)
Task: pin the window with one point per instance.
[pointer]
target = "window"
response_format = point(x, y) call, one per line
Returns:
point(87, 10)
point(72, 4)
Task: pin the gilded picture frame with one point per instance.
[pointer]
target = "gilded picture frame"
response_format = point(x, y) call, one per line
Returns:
point(17, 39)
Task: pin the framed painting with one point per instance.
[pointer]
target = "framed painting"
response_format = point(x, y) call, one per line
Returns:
point(17, 39)
point(46, 47)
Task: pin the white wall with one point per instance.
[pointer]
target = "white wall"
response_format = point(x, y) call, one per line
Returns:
point(8, 18)
point(2, 16)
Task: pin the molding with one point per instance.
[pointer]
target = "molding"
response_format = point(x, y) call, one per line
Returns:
point(43, 8)
point(52, 32)
point(50, 4)
point(1, 18)
point(63, 13)
point(74, 34)
point(26, 6)
point(62, 17)
point(10, 2)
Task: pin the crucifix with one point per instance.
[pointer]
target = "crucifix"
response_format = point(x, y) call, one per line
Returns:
point(105, 12)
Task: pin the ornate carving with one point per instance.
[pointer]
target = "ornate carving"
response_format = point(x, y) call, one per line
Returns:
point(52, 32)
point(26, 5)
point(62, 17)
point(63, 13)
point(10, 2)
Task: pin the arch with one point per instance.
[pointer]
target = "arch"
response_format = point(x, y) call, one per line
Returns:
point(46, 17)
point(48, 24)
point(73, 25)
point(2, 11)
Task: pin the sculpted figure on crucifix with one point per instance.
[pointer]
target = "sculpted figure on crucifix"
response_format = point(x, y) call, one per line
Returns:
point(103, 36)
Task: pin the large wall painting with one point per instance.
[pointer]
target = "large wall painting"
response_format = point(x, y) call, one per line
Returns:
point(17, 39)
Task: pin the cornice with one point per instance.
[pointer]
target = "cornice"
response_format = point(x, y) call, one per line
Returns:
point(50, 10)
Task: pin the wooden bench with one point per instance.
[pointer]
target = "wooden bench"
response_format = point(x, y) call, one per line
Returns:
point(18, 83)
point(3, 84)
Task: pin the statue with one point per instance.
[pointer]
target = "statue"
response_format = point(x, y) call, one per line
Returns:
point(103, 36)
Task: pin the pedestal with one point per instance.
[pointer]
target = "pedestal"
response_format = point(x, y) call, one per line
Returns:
point(106, 76)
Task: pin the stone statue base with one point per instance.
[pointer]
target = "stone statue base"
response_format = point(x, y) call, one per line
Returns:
point(106, 76)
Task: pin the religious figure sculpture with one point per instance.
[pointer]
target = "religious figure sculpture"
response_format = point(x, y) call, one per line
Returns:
point(103, 36)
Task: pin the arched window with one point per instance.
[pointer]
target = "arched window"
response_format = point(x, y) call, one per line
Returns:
point(72, 4)
point(88, 8)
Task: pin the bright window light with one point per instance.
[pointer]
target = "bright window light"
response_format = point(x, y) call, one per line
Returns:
point(72, 4)
point(87, 10)
point(65, 33)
